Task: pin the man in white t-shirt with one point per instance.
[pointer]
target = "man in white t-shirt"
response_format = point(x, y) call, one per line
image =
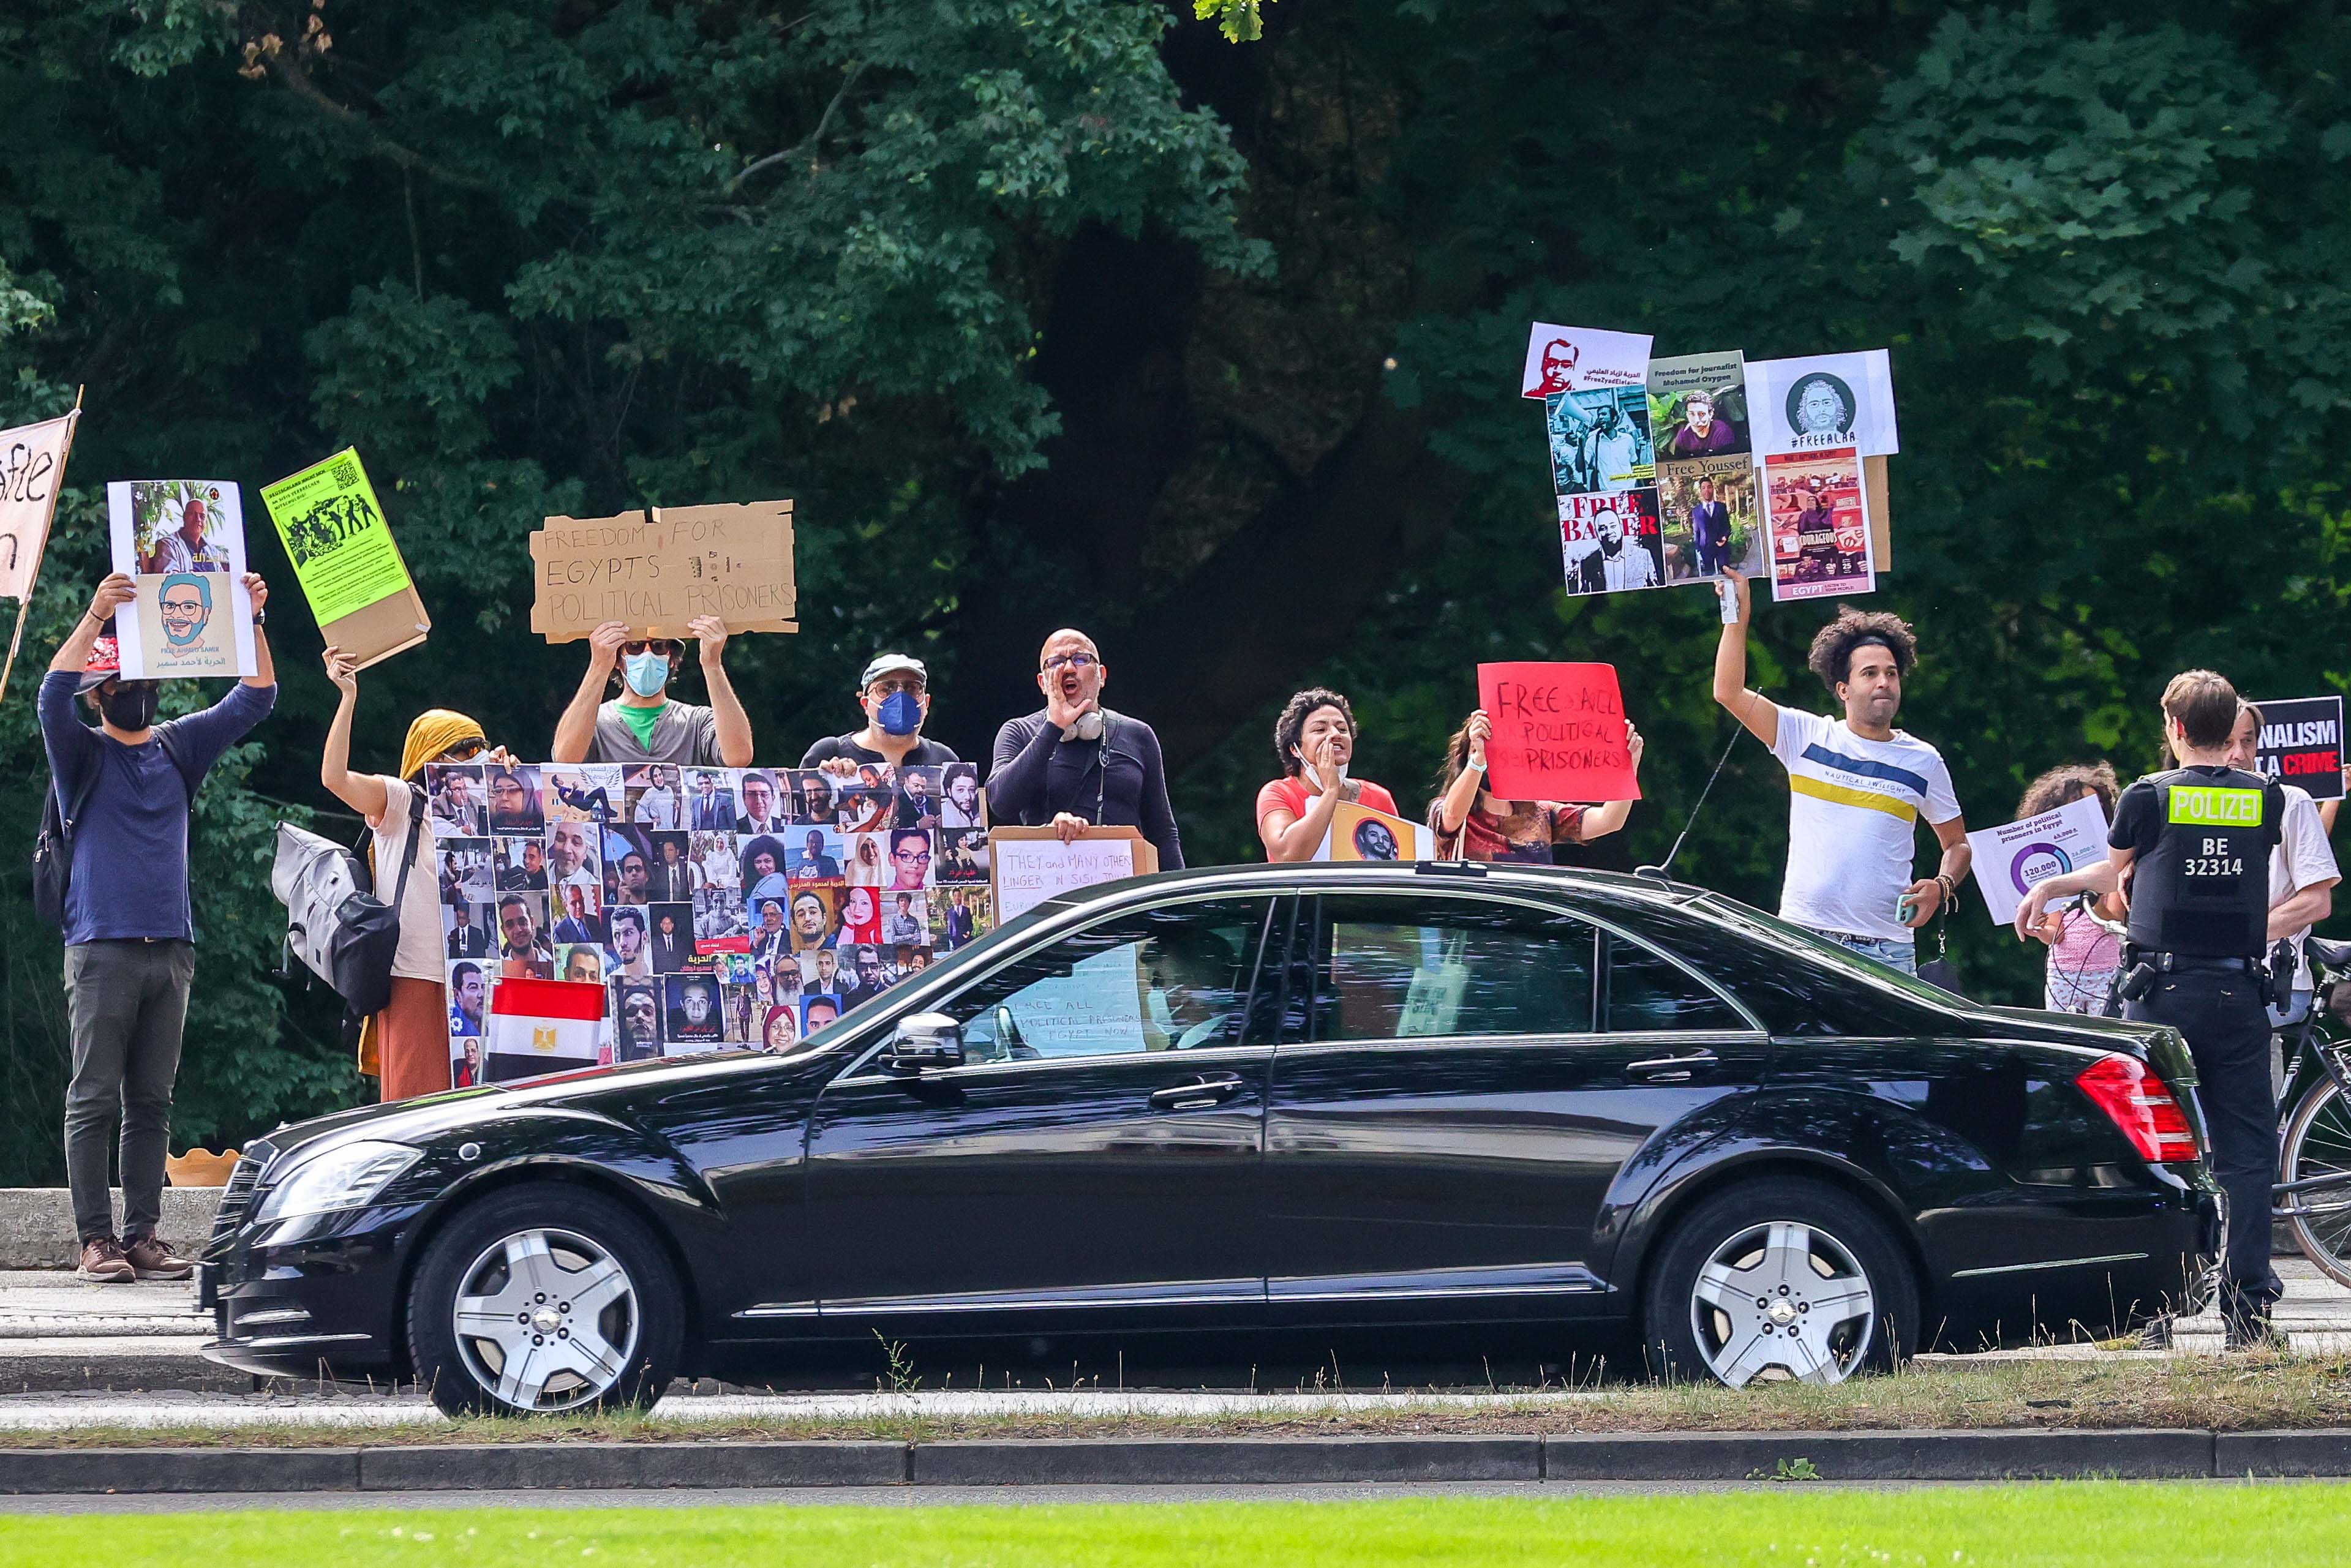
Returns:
point(2303, 873)
point(1856, 786)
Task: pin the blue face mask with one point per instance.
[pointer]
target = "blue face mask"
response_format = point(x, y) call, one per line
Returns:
point(646, 672)
point(901, 713)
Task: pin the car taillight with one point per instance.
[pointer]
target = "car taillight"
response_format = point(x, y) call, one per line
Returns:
point(2142, 1105)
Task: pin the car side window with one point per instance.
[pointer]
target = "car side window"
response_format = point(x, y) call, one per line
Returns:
point(1648, 991)
point(1176, 977)
point(1395, 967)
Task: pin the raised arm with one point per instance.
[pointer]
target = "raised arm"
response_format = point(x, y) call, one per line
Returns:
point(114, 592)
point(264, 666)
point(363, 792)
point(1754, 709)
point(1460, 797)
point(1016, 776)
point(577, 727)
point(725, 707)
point(1604, 819)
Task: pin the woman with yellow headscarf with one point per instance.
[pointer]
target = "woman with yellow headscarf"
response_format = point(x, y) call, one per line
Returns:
point(406, 1045)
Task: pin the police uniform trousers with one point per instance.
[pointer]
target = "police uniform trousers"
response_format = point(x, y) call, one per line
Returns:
point(2219, 1011)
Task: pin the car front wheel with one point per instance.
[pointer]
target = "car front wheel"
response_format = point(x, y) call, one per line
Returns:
point(1783, 1278)
point(541, 1300)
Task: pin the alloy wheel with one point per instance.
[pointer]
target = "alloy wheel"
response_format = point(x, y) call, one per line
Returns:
point(545, 1320)
point(1784, 1299)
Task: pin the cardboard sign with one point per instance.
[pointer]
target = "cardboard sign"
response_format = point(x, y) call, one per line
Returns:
point(1029, 865)
point(345, 561)
point(1361, 833)
point(1583, 358)
point(2010, 858)
point(659, 573)
point(1559, 733)
point(2301, 743)
point(182, 543)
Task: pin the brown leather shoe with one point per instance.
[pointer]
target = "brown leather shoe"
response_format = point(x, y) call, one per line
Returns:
point(103, 1263)
point(151, 1259)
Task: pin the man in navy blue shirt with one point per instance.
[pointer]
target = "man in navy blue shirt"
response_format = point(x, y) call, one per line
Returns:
point(130, 939)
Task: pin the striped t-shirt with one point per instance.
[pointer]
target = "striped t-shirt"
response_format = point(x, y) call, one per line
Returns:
point(1854, 806)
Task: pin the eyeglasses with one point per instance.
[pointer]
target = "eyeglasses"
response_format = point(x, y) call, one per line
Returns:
point(912, 688)
point(657, 645)
point(1073, 661)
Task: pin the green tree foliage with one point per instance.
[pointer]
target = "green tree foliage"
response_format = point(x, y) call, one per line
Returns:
point(1053, 310)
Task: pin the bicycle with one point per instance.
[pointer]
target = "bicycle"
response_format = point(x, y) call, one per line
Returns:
point(2312, 1194)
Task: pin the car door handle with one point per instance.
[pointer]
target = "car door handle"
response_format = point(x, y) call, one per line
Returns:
point(1673, 1069)
point(1198, 1094)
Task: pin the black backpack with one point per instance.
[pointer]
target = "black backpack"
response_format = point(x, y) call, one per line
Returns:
point(53, 845)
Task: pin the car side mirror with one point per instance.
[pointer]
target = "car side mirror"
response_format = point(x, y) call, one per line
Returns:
point(925, 1039)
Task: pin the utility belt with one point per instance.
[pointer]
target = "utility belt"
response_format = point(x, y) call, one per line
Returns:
point(2142, 965)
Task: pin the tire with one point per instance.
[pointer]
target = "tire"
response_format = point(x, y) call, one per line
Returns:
point(528, 1251)
point(2319, 1143)
point(1770, 1242)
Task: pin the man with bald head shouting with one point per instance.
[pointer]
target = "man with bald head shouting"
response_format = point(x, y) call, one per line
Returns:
point(1076, 763)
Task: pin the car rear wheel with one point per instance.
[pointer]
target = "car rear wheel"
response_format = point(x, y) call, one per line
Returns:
point(1784, 1279)
point(541, 1300)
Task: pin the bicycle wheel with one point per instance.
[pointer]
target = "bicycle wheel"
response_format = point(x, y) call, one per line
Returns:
point(2318, 1144)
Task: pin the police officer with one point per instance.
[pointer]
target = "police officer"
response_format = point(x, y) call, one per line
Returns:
point(2195, 842)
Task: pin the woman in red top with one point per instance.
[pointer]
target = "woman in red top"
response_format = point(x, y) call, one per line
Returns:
point(1473, 825)
point(1315, 737)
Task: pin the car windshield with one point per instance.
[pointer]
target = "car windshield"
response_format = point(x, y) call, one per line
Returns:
point(1785, 933)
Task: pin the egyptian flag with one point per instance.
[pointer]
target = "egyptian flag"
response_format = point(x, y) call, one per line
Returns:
point(542, 1026)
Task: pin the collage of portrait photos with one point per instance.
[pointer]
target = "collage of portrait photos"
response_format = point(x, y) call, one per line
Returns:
point(1654, 462)
point(718, 907)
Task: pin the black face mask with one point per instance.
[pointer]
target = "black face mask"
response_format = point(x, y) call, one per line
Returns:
point(130, 704)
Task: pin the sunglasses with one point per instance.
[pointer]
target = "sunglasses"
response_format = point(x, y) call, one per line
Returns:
point(657, 645)
point(464, 751)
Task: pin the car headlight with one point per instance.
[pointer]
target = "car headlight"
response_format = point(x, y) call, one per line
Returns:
point(345, 1177)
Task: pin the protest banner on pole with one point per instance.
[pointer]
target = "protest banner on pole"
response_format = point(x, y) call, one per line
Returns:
point(659, 573)
point(2010, 858)
point(344, 558)
point(2301, 743)
point(32, 468)
point(1029, 865)
point(1559, 733)
point(182, 544)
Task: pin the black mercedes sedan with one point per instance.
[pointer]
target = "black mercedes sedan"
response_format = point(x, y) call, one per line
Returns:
point(1272, 1100)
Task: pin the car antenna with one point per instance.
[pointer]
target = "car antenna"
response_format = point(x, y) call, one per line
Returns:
point(1663, 871)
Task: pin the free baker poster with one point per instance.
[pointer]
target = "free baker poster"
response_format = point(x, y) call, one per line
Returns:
point(2010, 858)
point(182, 542)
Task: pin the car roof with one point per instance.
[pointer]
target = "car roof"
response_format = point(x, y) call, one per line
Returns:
point(1406, 876)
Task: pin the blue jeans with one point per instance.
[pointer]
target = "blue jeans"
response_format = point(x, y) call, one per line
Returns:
point(1902, 956)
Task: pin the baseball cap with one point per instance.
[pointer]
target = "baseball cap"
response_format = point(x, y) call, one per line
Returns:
point(891, 664)
point(104, 663)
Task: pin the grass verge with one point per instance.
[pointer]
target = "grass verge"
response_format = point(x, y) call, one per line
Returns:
point(2090, 1524)
point(2236, 1394)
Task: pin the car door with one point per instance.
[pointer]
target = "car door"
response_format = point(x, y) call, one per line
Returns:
point(1447, 1114)
point(1098, 1150)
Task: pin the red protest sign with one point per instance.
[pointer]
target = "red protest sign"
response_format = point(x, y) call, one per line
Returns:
point(1559, 733)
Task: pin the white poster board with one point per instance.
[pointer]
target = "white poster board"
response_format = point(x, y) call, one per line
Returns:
point(1821, 401)
point(2010, 858)
point(1030, 866)
point(182, 542)
point(1583, 358)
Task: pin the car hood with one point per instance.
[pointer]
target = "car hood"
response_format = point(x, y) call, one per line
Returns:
point(433, 1116)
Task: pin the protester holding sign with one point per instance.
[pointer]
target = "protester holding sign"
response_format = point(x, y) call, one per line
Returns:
point(130, 934)
point(894, 692)
point(1856, 786)
point(2303, 873)
point(1075, 763)
point(409, 1041)
point(641, 724)
point(2082, 955)
point(1315, 737)
point(1471, 824)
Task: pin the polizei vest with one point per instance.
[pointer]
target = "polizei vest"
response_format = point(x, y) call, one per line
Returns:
point(2204, 888)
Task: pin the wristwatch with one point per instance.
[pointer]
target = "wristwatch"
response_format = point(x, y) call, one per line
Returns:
point(261, 616)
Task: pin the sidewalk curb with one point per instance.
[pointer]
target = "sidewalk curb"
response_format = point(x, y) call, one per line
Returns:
point(1942, 1456)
